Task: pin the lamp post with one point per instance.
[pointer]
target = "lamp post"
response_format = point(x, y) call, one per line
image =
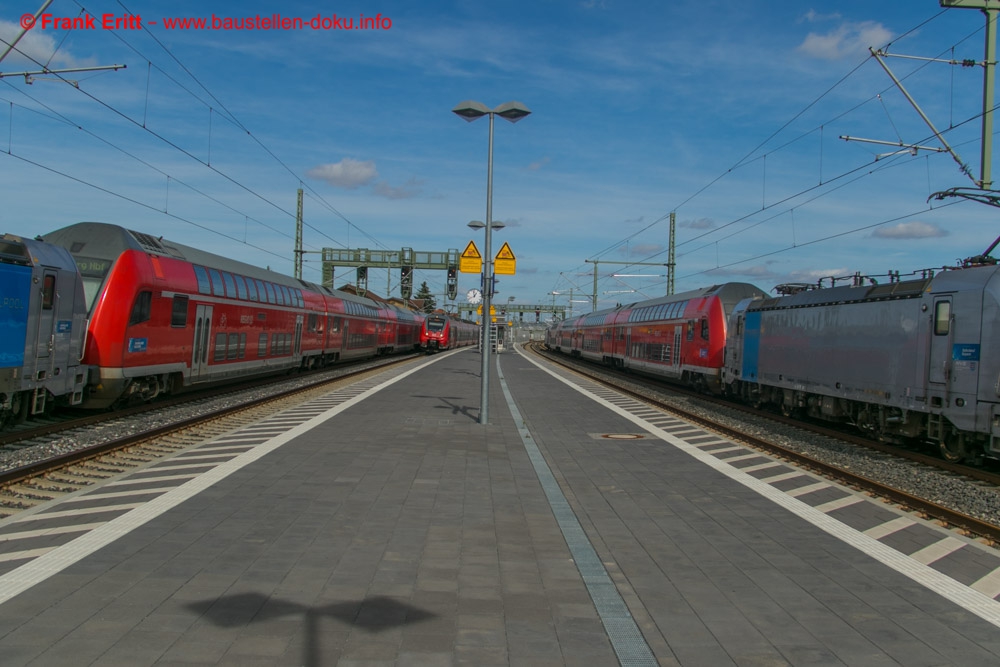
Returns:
point(470, 111)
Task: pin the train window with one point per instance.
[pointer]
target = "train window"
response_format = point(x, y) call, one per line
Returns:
point(252, 289)
point(335, 324)
point(299, 300)
point(49, 292)
point(690, 330)
point(942, 318)
point(234, 346)
point(270, 293)
point(241, 287)
point(220, 347)
point(204, 287)
point(230, 284)
point(704, 329)
point(141, 308)
point(261, 293)
point(312, 322)
point(217, 287)
point(283, 297)
point(243, 345)
point(262, 345)
point(179, 311)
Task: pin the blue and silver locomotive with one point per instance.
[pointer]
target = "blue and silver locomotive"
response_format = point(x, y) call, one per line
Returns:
point(917, 360)
point(43, 322)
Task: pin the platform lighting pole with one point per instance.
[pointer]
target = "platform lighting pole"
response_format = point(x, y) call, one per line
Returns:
point(470, 111)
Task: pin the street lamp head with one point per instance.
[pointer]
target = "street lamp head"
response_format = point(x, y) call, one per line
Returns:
point(476, 224)
point(512, 111)
point(496, 224)
point(470, 110)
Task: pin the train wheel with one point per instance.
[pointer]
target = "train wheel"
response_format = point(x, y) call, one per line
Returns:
point(953, 448)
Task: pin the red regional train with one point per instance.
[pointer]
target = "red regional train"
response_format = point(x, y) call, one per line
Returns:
point(681, 337)
point(441, 331)
point(165, 317)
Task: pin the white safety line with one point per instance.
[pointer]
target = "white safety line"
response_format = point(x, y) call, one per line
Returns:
point(964, 596)
point(52, 562)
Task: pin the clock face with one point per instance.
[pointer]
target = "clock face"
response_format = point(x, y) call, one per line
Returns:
point(474, 296)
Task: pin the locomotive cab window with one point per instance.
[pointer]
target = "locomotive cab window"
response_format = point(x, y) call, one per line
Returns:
point(942, 318)
point(704, 329)
point(141, 308)
point(179, 311)
point(48, 291)
point(690, 330)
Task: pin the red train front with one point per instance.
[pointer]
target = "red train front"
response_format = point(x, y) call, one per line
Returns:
point(441, 331)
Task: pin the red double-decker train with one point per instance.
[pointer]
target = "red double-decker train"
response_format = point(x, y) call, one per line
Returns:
point(164, 317)
point(441, 331)
point(681, 337)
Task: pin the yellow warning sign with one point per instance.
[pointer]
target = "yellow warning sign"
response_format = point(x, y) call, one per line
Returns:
point(470, 261)
point(505, 263)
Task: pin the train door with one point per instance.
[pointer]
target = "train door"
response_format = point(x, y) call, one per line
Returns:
point(298, 335)
point(202, 336)
point(675, 353)
point(941, 339)
point(45, 316)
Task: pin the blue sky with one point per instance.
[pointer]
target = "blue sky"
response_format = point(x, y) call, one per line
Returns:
point(727, 113)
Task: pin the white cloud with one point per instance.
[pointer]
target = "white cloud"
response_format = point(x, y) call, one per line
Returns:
point(849, 40)
point(408, 190)
point(347, 173)
point(814, 275)
point(700, 223)
point(37, 47)
point(910, 230)
point(538, 164)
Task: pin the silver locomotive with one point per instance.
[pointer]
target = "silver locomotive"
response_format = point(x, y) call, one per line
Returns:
point(916, 360)
point(43, 325)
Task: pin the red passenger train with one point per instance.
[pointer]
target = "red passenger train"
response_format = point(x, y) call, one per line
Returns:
point(164, 317)
point(681, 337)
point(441, 331)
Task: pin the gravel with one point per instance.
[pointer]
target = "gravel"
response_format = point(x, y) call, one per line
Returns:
point(48, 447)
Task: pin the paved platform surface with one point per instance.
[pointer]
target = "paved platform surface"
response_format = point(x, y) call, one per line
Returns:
point(383, 525)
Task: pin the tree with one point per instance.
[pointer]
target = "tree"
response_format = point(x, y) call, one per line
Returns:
point(425, 293)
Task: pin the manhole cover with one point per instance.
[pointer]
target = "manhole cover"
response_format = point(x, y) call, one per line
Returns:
point(622, 436)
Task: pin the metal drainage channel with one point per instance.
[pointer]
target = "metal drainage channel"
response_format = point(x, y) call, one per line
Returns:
point(626, 639)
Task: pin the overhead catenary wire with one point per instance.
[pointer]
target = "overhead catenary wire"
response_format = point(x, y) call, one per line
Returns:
point(791, 200)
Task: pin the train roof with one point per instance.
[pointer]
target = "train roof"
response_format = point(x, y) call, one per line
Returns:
point(102, 240)
point(19, 250)
point(729, 293)
point(847, 294)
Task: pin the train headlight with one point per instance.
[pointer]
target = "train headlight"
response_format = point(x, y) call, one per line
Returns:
point(960, 402)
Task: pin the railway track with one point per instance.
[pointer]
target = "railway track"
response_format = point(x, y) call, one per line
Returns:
point(699, 408)
point(24, 487)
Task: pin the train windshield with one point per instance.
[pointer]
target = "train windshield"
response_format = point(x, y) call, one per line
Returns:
point(435, 323)
point(92, 271)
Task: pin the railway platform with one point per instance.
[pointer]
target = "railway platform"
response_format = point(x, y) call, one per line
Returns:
point(383, 525)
